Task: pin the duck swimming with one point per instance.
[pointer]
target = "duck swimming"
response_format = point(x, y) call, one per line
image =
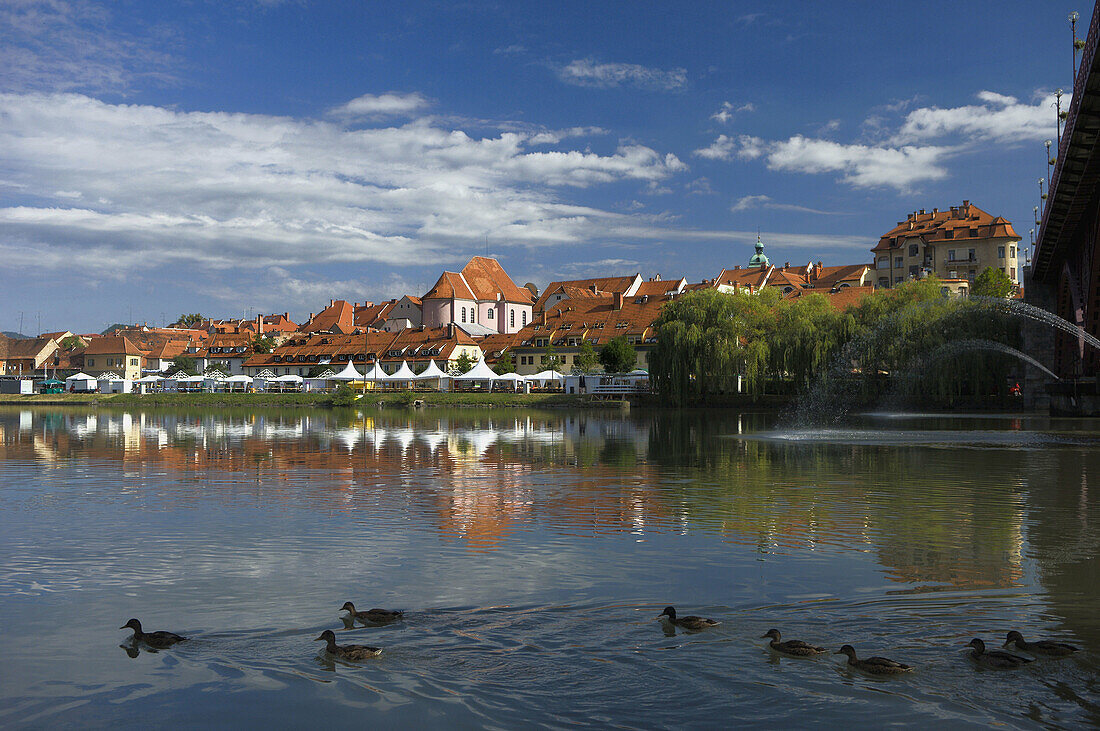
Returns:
point(798, 648)
point(372, 615)
point(873, 665)
point(690, 622)
point(1042, 647)
point(996, 658)
point(153, 639)
point(348, 652)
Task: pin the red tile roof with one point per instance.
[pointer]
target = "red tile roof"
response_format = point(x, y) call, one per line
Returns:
point(373, 315)
point(338, 317)
point(959, 223)
point(596, 286)
point(113, 345)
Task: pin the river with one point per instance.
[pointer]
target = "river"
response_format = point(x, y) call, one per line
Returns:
point(532, 552)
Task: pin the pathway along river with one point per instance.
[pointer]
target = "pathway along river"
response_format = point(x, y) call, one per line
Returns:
point(532, 552)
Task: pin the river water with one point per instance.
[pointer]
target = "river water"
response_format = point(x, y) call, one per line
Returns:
point(531, 552)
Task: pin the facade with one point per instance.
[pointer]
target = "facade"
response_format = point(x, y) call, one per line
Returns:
point(226, 352)
point(561, 330)
point(954, 244)
point(113, 354)
point(25, 356)
point(481, 299)
point(557, 292)
point(407, 312)
point(338, 317)
point(303, 352)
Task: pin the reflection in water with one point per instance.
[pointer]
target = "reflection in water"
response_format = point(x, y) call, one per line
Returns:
point(550, 540)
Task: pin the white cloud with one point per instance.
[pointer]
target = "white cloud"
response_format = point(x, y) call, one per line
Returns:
point(554, 136)
point(723, 148)
point(65, 45)
point(749, 202)
point(863, 166)
point(218, 190)
point(727, 111)
point(389, 104)
point(509, 50)
point(999, 118)
point(586, 72)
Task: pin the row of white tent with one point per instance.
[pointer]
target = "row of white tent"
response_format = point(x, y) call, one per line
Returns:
point(110, 382)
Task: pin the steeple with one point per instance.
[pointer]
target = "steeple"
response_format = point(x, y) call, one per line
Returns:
point(758, 259)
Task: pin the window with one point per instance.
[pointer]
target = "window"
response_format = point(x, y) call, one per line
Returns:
point(133, 361)
point(1012, 251)
point(912, 249)
point(524, 318)
point(884, 281)
point(1013, 273)
point(899, 262)
point(473, 315)
point(884, 261)
point(512, 318)
point(1000, 252)
point(951, 255)
point(464, 314)
point(949, 233)
point(897, 280)
point(914, 271)
point(970, 255)
point(490, 315)
point(970, 275)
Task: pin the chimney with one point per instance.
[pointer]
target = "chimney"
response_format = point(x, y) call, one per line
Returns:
point(368, 303)
point(310, 317)
point(922, 211)
point(786, 265)
point(286, 315)
point(618, 300)
point(259, 324)
point(736, 266)
point(966, 203)
point(450, 330)
point(935, 211)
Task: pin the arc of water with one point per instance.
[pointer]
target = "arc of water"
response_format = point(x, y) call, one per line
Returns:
point(961, 346)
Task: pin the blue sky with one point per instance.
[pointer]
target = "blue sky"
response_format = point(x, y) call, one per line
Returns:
point(238, 157)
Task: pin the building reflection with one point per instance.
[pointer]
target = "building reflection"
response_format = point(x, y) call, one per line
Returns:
point(478, 477)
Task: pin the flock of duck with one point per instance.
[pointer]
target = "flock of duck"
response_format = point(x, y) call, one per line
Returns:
point(794, 648)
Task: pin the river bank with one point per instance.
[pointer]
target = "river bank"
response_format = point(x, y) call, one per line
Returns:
point(478, 400)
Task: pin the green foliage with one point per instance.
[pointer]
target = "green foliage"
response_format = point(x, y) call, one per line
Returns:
point(506, 364)
point(553, 360)
point(262, 345)
point(462, 364)
point(587, 359)
point(184, 363)
point(343, 396)
point(992, 282)
point(71, 343)
point(217, 365)
point(189, 320)
point(617, 355)
point(318, 369)
point(111, 328)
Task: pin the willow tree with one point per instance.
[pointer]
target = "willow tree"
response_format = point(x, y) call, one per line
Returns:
point(706, 338)
point(807, 332)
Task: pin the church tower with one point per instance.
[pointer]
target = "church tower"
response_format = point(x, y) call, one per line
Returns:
point(758, 259)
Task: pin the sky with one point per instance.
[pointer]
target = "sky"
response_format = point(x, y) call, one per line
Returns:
point(233, 157)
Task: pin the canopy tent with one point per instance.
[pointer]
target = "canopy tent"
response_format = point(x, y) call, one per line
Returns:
point(81, 382)
point(376, 373)
point(288, 378)
point(239, 379)
point(480, 372)
point(513, 378)
point(151, 378)
point(432, 371)
point(348, 374)
point(546, 376)
point(404, 373)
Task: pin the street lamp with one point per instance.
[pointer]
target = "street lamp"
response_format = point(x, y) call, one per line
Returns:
point(1077, 45)
point(1036, 210)
point(1050, 160)
point(1058, 106)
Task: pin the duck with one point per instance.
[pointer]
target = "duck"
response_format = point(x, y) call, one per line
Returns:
point(372, 615)
point(348, 652)
point(1042, 647)
point(873, 665)
point(690, 622)
point(153, 639)
point(996, 658)
point(798, 648)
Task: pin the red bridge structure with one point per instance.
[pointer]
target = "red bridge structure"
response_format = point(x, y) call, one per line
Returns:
point(1065, 273)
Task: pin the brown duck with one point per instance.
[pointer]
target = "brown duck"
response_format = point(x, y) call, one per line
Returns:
point(996, 658)
point(668, 617)
point(873, 665)
point(153, 639)
point(347, 652)
point(372, 615)
point(1042, 647)
point(797, 648)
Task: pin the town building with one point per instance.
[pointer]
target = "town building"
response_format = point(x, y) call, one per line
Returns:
point(957, 243)
point(115, 354)
point(25, 356)
point(557, 292)
point(406, 313)
point(481, 299)
point(338, 317)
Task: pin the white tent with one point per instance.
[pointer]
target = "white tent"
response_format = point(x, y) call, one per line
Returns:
point(546, 376)
point(404, 373)
point(480, 372)
point(514, 378)
point(81, 382)
point(376, 373)
point(238, 383)
point(348, 374)
point(432, 371)
point(151, 378)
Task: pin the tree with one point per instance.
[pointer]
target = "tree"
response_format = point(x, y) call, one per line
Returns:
point(506, 364)
point(262, 345)
point(992, 282)
point(71, 343)
point(552, 360)
point(462, 364)
point(586, 359)
point(184, 363)
point(318, 369)
point(617, 355)
point(111, 328)
point(220, 366)
point(190, 320)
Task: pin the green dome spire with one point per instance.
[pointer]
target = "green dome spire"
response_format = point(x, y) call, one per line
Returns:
point(758, 259)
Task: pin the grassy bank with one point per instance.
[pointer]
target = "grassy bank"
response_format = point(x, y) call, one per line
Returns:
point(297, 399)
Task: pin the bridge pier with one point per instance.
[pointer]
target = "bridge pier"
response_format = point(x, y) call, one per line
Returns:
point(1039, 340)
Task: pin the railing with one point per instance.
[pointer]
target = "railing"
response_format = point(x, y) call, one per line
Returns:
point(1088, 54)
point(967, 261)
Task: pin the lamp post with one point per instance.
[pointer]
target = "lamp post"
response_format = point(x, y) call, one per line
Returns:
point(1042, 194)
point(1077, 45)
point(1058, 106)
point(1036, 210)
point(1050, 160)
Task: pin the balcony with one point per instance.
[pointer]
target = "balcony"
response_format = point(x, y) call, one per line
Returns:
point(963, 262)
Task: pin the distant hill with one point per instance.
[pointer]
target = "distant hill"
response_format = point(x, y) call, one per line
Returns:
point(15, 335)
point(111, 328)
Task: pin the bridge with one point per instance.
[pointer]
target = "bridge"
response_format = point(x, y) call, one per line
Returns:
point(1065, 270)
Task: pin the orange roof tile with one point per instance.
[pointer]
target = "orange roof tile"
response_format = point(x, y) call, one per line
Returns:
point(959, 223)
